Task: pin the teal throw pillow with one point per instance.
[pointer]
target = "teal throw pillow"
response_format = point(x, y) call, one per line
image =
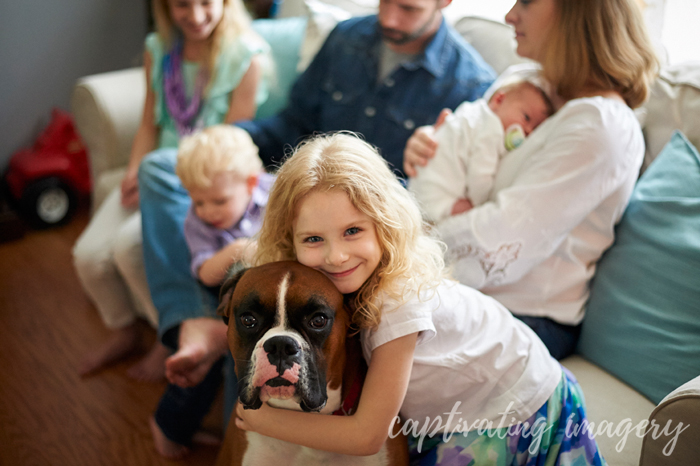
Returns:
point(642, 321)
point(285, 36)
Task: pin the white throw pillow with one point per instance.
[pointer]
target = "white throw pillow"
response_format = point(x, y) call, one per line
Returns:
point(495, 41)
point(323, 15)
point(674, 104)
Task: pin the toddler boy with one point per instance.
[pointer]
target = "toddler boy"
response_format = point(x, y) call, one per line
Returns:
point(220, 168)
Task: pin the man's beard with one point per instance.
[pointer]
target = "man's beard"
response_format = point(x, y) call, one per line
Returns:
point(397, 37)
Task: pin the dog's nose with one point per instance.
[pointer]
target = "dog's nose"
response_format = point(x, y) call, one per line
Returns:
point(282, 352)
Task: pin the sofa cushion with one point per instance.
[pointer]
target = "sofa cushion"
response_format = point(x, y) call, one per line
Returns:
point(643, 320)
point(285, 36)
point(494, 40)
point(610, 402)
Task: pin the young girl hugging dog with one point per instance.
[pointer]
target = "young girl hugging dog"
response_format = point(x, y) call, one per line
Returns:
point(471, 382)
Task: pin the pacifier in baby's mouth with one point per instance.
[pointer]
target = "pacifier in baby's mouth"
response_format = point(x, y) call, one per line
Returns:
point(515, 135)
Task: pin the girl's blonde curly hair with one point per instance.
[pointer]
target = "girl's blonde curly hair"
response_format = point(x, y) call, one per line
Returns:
point(412, 259)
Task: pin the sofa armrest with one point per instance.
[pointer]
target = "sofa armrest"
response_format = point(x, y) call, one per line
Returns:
point(107, 110)
point(678, 417)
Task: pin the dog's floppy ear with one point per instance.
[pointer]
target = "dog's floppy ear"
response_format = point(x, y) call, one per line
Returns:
point(226, 292)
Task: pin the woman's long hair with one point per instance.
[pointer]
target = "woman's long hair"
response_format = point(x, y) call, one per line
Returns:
point(600, 45)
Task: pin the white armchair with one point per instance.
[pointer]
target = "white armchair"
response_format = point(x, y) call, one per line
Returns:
point(107, 110)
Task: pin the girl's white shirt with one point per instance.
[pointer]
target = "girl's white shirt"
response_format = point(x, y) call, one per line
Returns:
point(556, 200)
point(470, 145)
point(472, 358)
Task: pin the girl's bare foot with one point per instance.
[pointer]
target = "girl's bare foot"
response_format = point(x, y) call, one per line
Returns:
point(151, 368)
point(202, 342)
point(122, 343)
point(164, 446)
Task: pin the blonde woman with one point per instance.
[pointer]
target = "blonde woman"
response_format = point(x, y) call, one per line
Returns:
point(433, 346)
point(535, 243)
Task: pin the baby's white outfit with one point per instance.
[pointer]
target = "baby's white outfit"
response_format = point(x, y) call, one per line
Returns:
point(470, 146)
point(555, 202)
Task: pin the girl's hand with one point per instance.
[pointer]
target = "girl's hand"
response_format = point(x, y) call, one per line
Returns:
point(130, 189)
point(421, 146)
point(365, 432)
point(246, 419)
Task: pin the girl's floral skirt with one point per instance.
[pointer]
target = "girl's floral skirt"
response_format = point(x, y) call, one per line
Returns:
point(551, 436)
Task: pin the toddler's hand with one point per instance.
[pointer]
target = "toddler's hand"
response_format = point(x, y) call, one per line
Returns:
point(460, 206)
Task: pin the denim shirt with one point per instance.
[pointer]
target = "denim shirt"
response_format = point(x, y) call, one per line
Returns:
point(340, 91)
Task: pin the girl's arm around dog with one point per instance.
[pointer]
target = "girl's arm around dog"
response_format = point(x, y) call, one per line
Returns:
point(361, 434)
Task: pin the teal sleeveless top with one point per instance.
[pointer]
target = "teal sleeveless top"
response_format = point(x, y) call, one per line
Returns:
point(231, 64)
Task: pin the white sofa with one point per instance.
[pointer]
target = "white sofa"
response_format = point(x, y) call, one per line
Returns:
point(107, 109)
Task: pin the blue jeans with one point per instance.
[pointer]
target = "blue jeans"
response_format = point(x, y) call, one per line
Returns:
point(176, 294)
point(164, 204)
point(559, 339)
point(180, 410)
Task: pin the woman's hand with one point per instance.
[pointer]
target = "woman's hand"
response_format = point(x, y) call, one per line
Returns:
point(130, 189)
point(460, 206)
point(421, 146)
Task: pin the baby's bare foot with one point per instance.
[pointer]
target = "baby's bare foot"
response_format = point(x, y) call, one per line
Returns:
point(202, 342)
point(151, 368)
point(164, 446)
point(122, 343)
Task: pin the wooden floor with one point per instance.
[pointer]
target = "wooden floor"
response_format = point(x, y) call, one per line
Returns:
point(48, 414)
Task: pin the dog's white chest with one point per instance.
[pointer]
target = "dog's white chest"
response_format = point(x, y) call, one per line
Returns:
point(266, 451)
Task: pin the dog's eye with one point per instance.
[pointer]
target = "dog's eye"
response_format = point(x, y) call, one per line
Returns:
point(318, 322)
point(248, 321)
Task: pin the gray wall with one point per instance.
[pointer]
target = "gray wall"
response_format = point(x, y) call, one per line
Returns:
point(46, 45)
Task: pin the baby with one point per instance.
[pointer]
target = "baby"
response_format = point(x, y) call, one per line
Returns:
point(471, 143)
point(220, 168)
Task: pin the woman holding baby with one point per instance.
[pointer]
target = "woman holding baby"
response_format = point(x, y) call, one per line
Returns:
point(557, 197)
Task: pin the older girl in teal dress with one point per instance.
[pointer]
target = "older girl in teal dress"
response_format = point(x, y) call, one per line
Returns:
point(204, 65)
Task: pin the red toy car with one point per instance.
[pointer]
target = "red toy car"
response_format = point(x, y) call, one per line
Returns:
point(50, 178)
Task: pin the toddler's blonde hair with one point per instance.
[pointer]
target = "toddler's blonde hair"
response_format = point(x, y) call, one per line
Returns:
point(214, 150)
point(411, 261)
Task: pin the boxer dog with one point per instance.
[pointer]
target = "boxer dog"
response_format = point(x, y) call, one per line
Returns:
point(287, 331)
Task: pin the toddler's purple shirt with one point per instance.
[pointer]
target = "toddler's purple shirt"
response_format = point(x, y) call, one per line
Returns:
point(204, 240)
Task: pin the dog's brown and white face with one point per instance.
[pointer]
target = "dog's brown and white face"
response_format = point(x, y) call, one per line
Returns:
point(286, 331)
